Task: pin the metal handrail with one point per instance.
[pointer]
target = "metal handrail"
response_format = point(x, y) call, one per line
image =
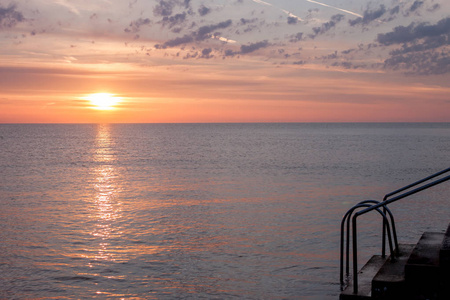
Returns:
point(401, 190)
point(415, 183)
point(386, 227)
point(346, 218)
point(404, 195)
point(394, 233)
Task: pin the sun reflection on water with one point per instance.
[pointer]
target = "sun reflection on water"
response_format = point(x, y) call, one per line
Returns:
point(106, 209)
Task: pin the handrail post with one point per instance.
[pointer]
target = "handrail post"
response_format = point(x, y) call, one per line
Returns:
point(355, 256)
point(347, 249)
point(383, 238)
point(355, 242)
point(346, 219)
point(341, 260)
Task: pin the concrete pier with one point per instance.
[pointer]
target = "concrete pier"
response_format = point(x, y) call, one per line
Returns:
point(422, 271)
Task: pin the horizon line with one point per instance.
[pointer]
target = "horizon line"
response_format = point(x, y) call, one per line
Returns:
point(243, 122)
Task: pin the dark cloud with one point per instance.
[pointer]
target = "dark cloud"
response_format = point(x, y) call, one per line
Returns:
point(191, 55)
point(416, 5)
point(395, 10)
point(296, 37)
point(174, 20)
point(402, 34)
point(136, 25)
point(311, 15)
point(423, 47)
point(249, 25)
point(202, 33)
point(422, 63)
point(206, 53)
point(348, 51)
point(330, 56)
point(230, 52)
point(434, 7)
point(427, 44)
point(253, 47)
point(245, 49)
point(345, 65)
point(203, 10)
point(414, 8)
point(187, 3)
point(164, 8)
point(292, 20)
point(248, 21)
point(9, 16)
point(176, 42)
point(327, 26)
point(369, 16)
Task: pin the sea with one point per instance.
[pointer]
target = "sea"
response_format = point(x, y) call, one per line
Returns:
point(204, 211)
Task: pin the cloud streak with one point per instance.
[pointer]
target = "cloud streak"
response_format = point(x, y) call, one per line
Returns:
point(369, 16)
point(253, 47)
point(201, 34)
point(402, 34)
point(327, 26)
point(135, 26)
point(290, 15)
point(337, 8)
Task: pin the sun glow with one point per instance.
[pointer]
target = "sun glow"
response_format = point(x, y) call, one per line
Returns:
point(103, 101)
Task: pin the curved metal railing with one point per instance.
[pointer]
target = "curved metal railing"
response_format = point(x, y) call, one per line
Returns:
point(346, 220)
point(388, 227)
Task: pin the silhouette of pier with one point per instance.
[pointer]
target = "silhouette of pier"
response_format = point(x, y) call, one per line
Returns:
point(417, 271)
point(420, 271)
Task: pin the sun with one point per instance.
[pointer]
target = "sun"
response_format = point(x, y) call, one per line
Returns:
point(103, 101)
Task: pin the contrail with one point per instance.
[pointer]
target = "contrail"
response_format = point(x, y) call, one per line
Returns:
point(340, 9)
point(71, 7)
point(283, 10)
point(262, 2)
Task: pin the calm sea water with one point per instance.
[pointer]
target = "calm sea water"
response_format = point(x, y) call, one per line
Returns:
point(202, 211)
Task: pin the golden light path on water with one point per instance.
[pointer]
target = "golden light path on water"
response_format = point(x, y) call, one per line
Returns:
point(119, 238)
point(107, 209)
point(116, 241)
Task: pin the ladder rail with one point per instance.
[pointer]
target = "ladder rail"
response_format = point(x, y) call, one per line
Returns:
point(388, 227)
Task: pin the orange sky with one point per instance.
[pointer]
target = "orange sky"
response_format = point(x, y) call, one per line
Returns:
point(215, 94)
point(46, 73)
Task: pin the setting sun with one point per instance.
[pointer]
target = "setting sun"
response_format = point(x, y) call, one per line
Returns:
point(103, 101)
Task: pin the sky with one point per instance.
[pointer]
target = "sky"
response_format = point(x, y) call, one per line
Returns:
point(225, 61)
